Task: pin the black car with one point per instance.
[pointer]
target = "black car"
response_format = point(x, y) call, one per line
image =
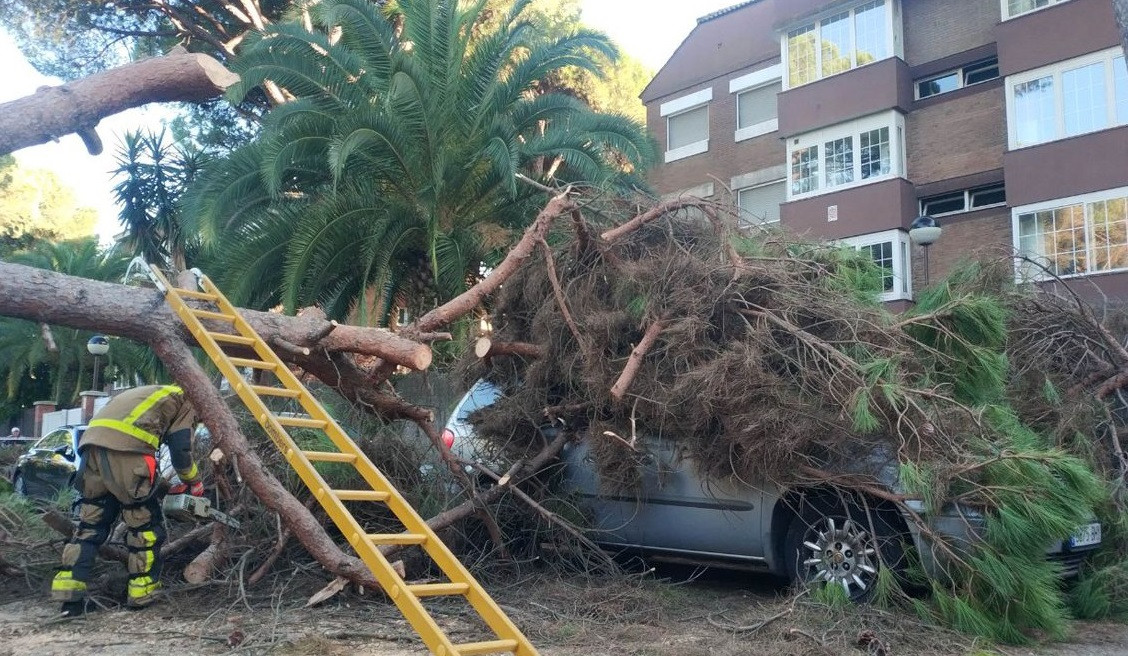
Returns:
point(49, 465)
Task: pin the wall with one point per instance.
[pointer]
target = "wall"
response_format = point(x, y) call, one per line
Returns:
point(726, 157)
point(958, 136)
point(935, 29)
point(1068, 167)
point(985, 234)
point(859, 92)
point(1054, 34)
point(861, 210)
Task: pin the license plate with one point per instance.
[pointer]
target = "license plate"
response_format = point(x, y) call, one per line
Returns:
point(1086, 535)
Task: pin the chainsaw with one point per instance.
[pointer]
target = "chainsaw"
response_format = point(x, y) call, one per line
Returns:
point(188, 508)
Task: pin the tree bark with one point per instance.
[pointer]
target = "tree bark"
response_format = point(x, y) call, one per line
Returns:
point(488, 348)
point(619, 389)
point(77, 106)
point(45, 296)
point(523, 250)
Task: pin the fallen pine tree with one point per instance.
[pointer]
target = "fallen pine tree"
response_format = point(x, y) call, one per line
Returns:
point(771, 359)
point(766, 356)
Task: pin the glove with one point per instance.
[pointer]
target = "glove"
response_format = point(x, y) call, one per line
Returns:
point(195, 488)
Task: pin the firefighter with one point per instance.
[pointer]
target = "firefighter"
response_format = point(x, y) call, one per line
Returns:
point(119, 475)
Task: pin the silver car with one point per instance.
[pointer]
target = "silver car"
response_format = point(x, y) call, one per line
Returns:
point(802, 534)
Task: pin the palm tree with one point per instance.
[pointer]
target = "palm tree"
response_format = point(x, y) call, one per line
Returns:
point(393, 169)
point(29, 370)
point(154, 174)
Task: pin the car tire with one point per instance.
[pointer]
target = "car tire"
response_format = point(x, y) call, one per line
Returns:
point(840, 541)
point(19, 485)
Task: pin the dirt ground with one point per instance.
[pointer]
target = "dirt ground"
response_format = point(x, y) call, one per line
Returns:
point(685, 614)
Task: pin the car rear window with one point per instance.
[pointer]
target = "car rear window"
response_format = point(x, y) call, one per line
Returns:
point(480, 396)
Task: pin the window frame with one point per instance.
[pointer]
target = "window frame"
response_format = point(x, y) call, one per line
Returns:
point(755, 81)
point(961, 73)
point(902, 260)
point(854, 129)
point(893, 40)
point(681, 106)
point(968, 196)
point(1083, 200)
point(1108, 57)
point(740, 210)
point(1004, 9)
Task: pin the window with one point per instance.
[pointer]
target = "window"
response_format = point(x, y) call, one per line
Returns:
point(1013, 8)
point(757, 106)
point(1067, 99)
point(839, 43)
point(890, 252)
point(964, 201)
point(1079, 236)
point(760, 205)
point(756, 112)
point(687, 128)
point(980, 71)
point(850, 154)
point(55, 439)
point(687, 125)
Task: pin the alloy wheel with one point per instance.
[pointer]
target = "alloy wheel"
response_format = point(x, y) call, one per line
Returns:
point(844, 555)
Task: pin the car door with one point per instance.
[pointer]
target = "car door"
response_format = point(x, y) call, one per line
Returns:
point(674, 509)
point(50, 463)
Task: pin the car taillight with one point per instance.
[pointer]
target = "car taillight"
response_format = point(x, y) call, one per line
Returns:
point(448, 437)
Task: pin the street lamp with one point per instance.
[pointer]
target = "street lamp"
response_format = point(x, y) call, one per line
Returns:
point(98, 345)
point(924, 232)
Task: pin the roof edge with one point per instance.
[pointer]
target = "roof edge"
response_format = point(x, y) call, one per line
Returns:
point(727, 10)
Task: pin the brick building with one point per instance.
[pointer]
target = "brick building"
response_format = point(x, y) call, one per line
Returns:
point(1007, 120)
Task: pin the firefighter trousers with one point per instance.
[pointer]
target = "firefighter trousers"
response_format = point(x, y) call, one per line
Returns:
point(112, 483)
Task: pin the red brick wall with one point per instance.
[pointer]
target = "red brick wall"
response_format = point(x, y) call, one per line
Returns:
point(975, 235)
point(935, 29)
point(725, 158)
point(957, 137)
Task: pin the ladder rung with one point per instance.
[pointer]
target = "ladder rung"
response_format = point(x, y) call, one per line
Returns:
point(208, 314)
point(265, 390)
point(438, 589)
point(487, 647)
point(199, 296)
point(360, 495)
point(232, 339)
point(329, 456)
point(254, 364)
point(302, 422)
point(397, 538)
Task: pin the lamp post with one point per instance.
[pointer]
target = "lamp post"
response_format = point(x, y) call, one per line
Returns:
point(98, 346)
point(924, 232)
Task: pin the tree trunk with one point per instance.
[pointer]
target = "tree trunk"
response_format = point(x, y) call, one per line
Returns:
point(45, 296)
point(77, 106)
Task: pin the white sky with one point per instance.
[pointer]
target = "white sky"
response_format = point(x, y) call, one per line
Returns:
point(647, 29)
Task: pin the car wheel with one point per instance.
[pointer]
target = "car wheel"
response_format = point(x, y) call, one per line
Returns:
point(840, 542)
point(19, 485)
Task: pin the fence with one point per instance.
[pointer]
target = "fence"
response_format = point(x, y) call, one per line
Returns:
point(53, 420)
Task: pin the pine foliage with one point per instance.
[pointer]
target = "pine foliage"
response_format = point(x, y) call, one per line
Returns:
point(793, 369)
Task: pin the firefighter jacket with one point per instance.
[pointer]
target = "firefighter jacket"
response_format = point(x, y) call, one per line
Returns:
point(141, 419)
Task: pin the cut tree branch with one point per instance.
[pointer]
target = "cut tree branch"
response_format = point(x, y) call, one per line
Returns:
point(488, 348)
point(619, 389)
point(76, 107)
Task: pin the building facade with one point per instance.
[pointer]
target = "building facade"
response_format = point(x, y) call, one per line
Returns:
point(1007, 120)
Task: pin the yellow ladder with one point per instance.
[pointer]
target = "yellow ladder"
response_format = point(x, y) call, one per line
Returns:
point(509, 639)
